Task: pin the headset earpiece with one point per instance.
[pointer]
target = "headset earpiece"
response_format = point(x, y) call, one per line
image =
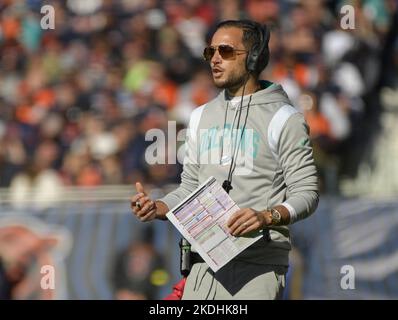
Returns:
point(258, 49)
point(252, 58)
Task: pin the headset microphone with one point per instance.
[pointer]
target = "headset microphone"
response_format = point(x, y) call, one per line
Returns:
point(227, 185)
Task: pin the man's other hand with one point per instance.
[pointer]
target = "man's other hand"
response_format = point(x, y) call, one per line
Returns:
point(142, 206)
point(247, 220)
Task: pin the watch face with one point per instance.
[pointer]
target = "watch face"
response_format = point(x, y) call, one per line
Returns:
point(276, 216)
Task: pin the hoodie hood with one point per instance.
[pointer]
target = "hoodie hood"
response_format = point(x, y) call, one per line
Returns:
point(269, 93)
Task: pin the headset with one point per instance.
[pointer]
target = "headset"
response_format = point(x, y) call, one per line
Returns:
point(258, 49)
point(253, 64)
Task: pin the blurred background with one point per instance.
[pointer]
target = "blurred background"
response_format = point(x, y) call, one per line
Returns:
point(75, 104)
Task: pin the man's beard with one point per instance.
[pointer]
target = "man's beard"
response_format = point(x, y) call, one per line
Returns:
point(234, 81)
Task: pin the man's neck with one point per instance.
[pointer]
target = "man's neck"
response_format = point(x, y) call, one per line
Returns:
point(252, 86)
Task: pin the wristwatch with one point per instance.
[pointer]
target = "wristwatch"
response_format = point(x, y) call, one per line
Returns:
point(275, 217)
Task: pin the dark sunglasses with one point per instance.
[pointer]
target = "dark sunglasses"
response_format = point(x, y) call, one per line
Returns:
point(225, 51)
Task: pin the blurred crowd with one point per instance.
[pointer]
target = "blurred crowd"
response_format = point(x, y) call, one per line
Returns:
point(77, 100)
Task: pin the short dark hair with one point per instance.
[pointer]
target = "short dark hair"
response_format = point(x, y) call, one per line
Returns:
point(251, 35)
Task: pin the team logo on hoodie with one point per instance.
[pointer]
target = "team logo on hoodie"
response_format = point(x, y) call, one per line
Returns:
point(222, 146)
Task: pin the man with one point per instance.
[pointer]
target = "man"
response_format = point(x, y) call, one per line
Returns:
point(276, 187)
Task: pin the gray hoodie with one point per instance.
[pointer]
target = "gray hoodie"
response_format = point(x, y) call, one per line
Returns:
point(274, 161)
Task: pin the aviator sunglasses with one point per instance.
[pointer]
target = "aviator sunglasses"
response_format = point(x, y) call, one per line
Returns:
point(225, 51)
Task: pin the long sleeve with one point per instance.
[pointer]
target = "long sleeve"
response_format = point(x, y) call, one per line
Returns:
point(297, 162)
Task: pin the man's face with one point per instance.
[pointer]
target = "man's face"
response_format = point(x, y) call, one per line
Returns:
point(228, 73)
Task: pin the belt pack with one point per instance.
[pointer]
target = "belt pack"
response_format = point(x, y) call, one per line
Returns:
point(187, 257)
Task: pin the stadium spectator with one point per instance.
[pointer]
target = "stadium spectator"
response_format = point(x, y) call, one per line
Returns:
point(114, 63)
